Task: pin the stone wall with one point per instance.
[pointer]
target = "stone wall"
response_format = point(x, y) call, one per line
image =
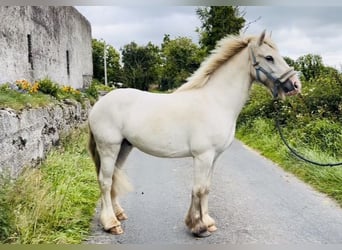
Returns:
point(26, 136)
point(45, 41)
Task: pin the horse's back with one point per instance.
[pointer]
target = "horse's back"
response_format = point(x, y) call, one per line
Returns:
point(123, 108)
point(166, 125)
point(113, 101)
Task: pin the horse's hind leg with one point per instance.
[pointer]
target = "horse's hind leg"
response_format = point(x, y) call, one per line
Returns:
point(120, 184)
point(108, 155)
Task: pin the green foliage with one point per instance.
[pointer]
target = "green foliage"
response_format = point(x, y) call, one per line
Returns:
point(6, 214)
point(141, 65)
point(56, 202)
point(114, 71)
point(291, 62)
point(44, 92)
point(322, 134)
point(92, 90)
point(258, 105)
point(217, 22)
point(316, 119)
point(47, 86)
point(323, 96)
point(11, 98)
point(311, 66)
point(181, 58)
point(68, 92)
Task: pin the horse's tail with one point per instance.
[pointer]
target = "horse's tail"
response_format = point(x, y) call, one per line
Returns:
point(93, 151)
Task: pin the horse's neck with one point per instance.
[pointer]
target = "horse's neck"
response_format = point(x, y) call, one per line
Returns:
point(230, 84)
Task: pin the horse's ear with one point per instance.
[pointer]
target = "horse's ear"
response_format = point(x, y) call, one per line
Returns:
point(261, 38)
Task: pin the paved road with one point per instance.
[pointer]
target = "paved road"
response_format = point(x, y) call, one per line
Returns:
point(252, 201)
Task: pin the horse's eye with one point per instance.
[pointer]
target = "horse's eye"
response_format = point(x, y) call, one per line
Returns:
point(269, 58)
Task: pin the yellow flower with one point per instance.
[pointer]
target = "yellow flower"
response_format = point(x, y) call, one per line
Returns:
point(34, 88)
point(23, 84)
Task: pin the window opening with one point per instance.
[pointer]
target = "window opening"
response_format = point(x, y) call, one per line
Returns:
point(29, 46)
point(68, 62)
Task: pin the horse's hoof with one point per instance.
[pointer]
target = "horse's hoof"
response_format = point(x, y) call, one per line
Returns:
point(116, 230)
point(202, 234)
point(212, 228)
point(122, 216)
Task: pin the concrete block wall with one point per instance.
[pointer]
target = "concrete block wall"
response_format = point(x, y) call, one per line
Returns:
point(45, 41)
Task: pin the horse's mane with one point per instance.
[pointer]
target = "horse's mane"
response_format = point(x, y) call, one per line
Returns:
point(225, 49)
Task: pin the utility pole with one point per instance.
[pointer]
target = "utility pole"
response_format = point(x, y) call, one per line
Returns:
point(105, 63)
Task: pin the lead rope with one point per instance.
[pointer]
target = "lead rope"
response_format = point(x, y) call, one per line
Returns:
point(292, 150)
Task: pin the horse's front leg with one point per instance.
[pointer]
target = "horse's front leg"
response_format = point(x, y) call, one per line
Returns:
point(120, 184)
point(198, 219)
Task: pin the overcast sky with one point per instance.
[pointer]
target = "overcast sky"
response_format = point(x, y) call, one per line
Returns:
point(297, 30)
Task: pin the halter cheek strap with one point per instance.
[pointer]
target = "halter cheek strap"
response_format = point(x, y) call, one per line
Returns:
point(277, 81)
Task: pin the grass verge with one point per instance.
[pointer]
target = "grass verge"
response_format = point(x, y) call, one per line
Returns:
point(55, 202)
point(262, 136)
point(18, 101)
point(24, 94)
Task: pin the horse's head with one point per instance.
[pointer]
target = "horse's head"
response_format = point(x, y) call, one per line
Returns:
point(270, 68)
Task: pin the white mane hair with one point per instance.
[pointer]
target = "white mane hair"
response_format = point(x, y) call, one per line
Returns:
point(225, 49)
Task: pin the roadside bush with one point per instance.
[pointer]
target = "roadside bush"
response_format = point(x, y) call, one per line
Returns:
point(324, 134)
point(68, 92)
point(47, 86)
point(323, 97)
point(312, 121)
point(92, 90)
point(259, 105)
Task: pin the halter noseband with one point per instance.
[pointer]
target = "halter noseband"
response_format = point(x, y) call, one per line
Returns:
point(277, 81)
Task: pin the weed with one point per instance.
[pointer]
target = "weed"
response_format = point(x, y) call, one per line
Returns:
point(6, 215)
point(10, 98)
point(56, 202)
point(47, 86)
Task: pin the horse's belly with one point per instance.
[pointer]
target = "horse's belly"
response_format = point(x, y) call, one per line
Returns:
point(160, 147)
point(173, 142)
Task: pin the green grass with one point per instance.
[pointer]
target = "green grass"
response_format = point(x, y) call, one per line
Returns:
point(262, 136)
point(55, 202)
point(47, 95)
point(18, 101)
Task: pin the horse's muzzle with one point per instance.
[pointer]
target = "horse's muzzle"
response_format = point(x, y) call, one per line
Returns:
point(291, 86)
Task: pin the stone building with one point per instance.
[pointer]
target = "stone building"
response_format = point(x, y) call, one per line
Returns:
point(45, 41)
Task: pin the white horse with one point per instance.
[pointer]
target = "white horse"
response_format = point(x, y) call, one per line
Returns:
point(197, 120)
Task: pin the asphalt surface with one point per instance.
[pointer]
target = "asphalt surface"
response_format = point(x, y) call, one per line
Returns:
point(252, 200)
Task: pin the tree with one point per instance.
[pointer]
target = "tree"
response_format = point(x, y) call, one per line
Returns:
point(181, 57)
point(311, 66)
point(217, 22)
point(291, 62)
point(141, 65)
point(113, 65)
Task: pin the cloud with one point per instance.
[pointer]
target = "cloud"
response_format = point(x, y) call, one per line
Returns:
point(297, 30)
point(300, 30)
point(122, 25)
